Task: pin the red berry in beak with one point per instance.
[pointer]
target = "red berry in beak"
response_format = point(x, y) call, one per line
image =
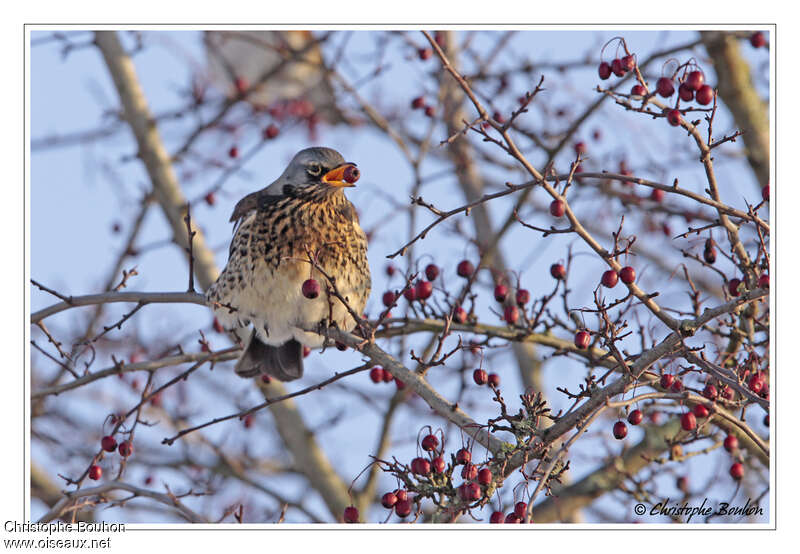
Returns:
point(351, 174)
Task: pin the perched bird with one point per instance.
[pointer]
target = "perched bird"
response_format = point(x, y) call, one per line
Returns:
point(266, 281)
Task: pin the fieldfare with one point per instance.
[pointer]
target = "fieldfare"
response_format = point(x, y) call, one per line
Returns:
point(302, 216)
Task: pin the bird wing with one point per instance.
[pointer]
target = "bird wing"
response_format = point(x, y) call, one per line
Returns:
point(250, 203)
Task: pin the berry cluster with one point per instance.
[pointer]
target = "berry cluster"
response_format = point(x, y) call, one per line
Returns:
point(419, 103)
point(109, 444)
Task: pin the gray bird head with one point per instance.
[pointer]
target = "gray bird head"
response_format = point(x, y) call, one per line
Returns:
point(317, 171)
point(313, 166)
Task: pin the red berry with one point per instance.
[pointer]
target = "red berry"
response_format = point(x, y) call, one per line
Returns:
point(485, 476)
point(557, 208)
point(108, 443)
point(688, 421)
point(125, 449)
point(700, 411)
point(765, 193)
point(306, 351)
point(376, 374)
point(399, 384)
point(763, 280)
point(497, 517)
point(430, 111)
point(520, 509)
point(657, 195)
point(418, 102)
point(627, 274)
point(390, 269)
point(704, 95)
point(582, 340)
point(558, 271)
point(695, 79)
point(710, 392)
point(674, 118)
point(402, 494)
point(635, 417)
point(420, 466)
point(431, 272)
point(402, 508)
point(579, 147)
point(388, 298)
point(727, 393)
point(522, 297)
point(638, 90)
point(248, 421)
point(757, 39)
point(494, 380)
point(388, 500)
point(387, 376)
point(430, 443)
point(511, 315)
point(733, 286)
point(666, 380)
point(241, 85)
point(351, 174)
point(620, 430)
point(710, 254)
point(410, 294)
point(233, 152)
point(500, 293)
point(665, 87)
point(424, 289)
point(685, 92)
point(463, 456)
point(737, 471)
point(497, 116)
point(438, 464)
point(628, 62)
point(682, 483)
point(470, 491)
point(731, 443)
point(465, 269)
point(604, 70)
point(95, 472)
point(469, 471)
point(351, 514)
point(210, 199)
point(610, 279)
point(617, 67)
point(270, 132)
point(480, 377)
point(677, 386)
point(756, 383)
point(217, 326)
point(459, 315)
point(513, 518)
point(310, 288)
point(424, 53)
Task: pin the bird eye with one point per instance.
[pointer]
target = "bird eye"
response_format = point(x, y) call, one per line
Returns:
point(314, 169)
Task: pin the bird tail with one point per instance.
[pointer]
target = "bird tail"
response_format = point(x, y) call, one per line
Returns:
point(284, 362)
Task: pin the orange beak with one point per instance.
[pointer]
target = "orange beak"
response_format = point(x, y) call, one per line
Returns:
point(336, 176)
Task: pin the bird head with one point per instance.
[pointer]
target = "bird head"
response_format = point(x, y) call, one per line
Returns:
point(318, 170)
point(316, 173)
